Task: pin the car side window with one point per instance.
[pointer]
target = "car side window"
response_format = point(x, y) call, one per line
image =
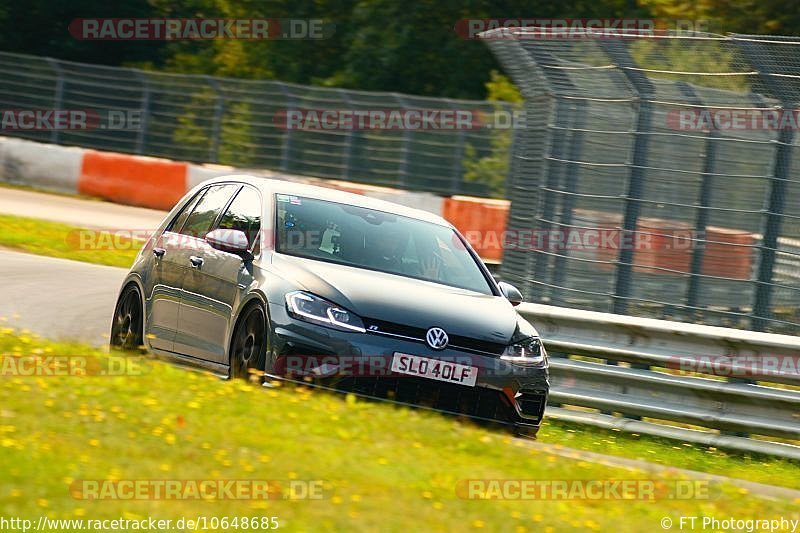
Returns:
point(180, 219)
point(199, 222)
point(244, 214)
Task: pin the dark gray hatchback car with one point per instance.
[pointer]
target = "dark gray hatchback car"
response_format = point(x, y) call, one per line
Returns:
point(288, 281)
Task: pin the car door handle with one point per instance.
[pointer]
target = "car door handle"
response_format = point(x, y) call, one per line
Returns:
point(159, 252)
point(197, 262)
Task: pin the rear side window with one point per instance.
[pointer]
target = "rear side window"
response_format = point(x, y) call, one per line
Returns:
point(208, 208)
point(244, 214)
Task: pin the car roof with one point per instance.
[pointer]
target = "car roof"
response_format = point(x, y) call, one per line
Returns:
point(272, 186)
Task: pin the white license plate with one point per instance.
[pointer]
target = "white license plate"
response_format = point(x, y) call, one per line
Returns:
point(425, 367)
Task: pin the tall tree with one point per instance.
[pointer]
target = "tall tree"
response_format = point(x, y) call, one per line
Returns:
point(776, 17)
point(40, 27)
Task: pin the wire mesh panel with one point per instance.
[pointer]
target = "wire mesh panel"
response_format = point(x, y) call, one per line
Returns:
point(249, 123)
point(674, 152)
point(30, 84)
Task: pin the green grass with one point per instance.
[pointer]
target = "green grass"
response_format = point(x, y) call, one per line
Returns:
point(53, 239)
point(384, 468)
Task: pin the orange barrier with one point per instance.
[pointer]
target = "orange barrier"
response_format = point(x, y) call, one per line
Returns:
point(731, 255)
point(667, 244)
point(479, 216)
point(132, 180)
point(607, 224)
point(663, 244)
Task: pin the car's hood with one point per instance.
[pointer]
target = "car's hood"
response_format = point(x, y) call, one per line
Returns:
point(402, 300)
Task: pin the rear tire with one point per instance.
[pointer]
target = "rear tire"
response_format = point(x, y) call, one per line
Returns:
point(127, 328)
point(248, 345)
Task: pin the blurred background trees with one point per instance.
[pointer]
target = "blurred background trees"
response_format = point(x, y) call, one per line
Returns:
point(381, 45)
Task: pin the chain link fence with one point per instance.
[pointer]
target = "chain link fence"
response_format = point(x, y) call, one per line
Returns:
point(243, 123)
point(682, 147)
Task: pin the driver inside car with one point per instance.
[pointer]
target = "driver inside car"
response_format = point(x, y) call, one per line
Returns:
point(388, 245)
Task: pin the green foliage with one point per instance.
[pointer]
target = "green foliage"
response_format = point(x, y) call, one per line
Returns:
point(384, 45)
point(500, 89)
point(492, 170)
point(236, 147)
point(776, 17)
point(193, 136)
point(691, 56)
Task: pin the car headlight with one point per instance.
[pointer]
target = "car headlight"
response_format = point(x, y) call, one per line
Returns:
point(311, 308)
point(527, 352)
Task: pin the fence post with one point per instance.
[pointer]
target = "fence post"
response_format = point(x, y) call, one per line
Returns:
point(144, 109)
point(704, 201)
point(764, 65)
point(545, 215)
point(529, 158)
point(578, 112)
point(216, 125)
point(524, 191)
point(568, 116)
point(512, 149)
point(774, 216)
point(347, 152)
point(58, 95)
point(644, 89)
point(286, 147)
point(403, 170)
point(456, 179)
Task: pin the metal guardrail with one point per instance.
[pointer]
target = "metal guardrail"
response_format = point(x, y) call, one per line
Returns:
point(742, 392)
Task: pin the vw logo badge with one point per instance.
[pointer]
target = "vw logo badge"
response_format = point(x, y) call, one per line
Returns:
point(437, 338)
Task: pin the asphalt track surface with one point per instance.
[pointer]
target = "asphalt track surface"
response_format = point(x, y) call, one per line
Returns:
point(78, 212)
point(62, 299)
point(57, 298)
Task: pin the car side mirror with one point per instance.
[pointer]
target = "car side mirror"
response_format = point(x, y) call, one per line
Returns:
point(233, 241)
point(511, 293)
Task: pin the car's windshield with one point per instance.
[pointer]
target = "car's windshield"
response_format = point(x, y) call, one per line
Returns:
point(375, 240)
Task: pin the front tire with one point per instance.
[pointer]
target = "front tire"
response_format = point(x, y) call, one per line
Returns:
point(248, 346)
point(127, 328)
point(526, 431)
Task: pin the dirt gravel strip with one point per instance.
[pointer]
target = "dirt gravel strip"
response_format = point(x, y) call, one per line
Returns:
point(762, 490)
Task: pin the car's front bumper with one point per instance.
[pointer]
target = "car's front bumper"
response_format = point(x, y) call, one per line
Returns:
point(362, 362)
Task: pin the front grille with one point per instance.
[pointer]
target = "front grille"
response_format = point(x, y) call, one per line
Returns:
point(457, 342)
point(476, 402)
